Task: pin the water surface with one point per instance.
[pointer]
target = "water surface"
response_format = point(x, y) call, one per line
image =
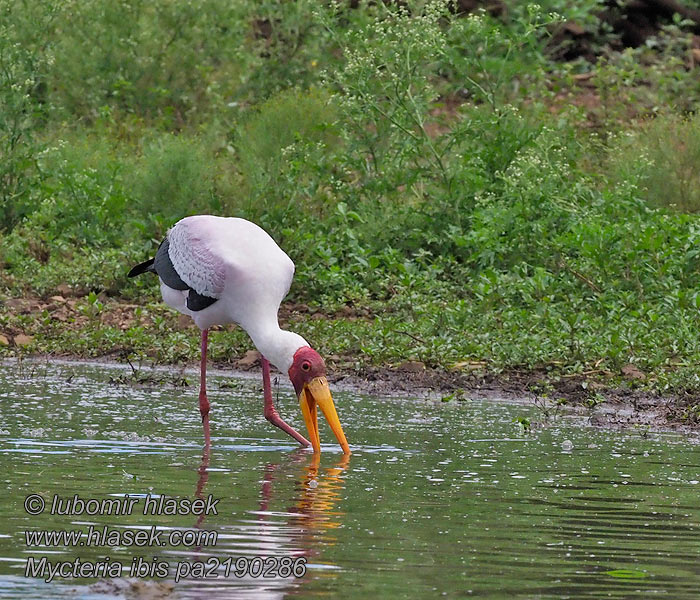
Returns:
point(437, 500)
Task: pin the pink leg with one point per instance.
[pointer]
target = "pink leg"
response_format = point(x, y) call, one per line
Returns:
point(203, 400)
point(270, 410)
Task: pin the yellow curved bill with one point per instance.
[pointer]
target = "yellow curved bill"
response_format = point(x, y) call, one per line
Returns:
point(316, 393)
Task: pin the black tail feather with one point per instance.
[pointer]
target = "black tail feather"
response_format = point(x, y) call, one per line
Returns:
point(144, 267)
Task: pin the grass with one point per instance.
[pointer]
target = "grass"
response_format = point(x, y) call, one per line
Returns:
point(440, 177)
point(668, 151)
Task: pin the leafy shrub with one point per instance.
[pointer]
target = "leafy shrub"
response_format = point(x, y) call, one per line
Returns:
point(664, 154)
point(164, 60)
point(657, 75)
point(384, 92)
point(172, 179)
point(82, 199)
point(285, 46)
point(278, 143)
point(22, 90)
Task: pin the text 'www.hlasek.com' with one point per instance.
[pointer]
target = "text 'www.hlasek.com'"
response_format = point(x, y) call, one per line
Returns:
point(140, 536)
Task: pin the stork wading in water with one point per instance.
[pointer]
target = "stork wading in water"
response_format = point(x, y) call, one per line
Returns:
point(223, 270)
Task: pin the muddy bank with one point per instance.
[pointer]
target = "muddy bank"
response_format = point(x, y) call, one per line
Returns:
point(617, 407)
point(604, 406)
point(620, 399)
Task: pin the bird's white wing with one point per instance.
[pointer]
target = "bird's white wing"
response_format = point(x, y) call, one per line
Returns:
point(230, 257)
point(195, 260)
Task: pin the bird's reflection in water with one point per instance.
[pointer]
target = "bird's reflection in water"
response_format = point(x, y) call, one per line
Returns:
point(289, 522)
point(313, 510)
point(319, 493)
point(203, 478)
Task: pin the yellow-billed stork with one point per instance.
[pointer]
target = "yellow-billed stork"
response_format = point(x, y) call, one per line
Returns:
point(223, 270)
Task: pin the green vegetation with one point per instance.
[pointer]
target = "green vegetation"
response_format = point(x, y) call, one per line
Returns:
point(477, 199)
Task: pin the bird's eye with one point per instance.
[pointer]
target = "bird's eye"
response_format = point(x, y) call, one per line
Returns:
point(305, 366)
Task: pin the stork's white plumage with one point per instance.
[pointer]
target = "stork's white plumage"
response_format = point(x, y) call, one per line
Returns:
point(222, 270)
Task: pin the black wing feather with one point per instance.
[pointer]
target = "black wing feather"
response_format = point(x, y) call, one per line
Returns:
point(163, 267)
point(197, 301)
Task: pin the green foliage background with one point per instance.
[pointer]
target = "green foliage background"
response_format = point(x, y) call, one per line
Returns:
point(437, 169)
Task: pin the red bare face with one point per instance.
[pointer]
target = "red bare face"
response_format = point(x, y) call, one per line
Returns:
point(307, 365)
point(308, 374)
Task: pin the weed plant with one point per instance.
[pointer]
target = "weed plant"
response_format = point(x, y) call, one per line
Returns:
point(411, 160)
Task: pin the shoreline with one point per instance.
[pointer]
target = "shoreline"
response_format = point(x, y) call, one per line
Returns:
point(614, 408)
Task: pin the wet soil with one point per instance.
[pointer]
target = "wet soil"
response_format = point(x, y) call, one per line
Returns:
point(617, 405)
point(609, 400)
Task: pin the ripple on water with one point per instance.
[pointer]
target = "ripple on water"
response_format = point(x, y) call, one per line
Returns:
point(435, 499)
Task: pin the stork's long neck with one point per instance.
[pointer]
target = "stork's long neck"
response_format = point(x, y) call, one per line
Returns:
point(274, 343)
